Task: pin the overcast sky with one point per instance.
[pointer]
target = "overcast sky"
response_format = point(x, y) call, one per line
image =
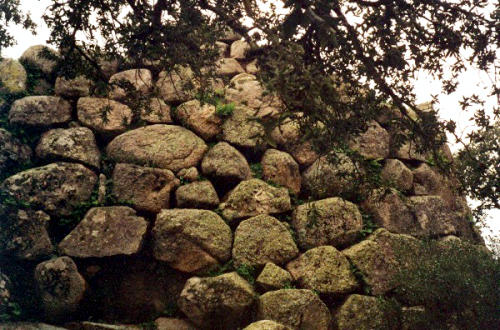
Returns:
point(472, 81)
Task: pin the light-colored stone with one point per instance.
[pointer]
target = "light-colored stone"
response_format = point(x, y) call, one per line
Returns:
point(190, 174)
point(432, 215)
point(243, 129)
point(279, 167)
point(263, 239)
point(12, 152)
point(176, 86)
point(40, 111)
point(224, 162)
point(191, 240)
point(254, 197)
point(298, 309)
point(228, 67)
point(106, 231)
point(273, 277)
point(140, 80)
point(239, 49)
point(73, 144)
point(200, 118)
point(252, 67)
point(197, 195)
point(105, 116)
point(61, 287)
point(166, 323)
point(222, 47)
point(373, 143)
point(72, 88)
point(86, 325)
point(229, 36)
point(55, 188)
point(35, 55)
point(158, 112)
point(164, 146)
point(12, 76)
point(397, 174)
point(266, 325)
point(325, 270)
point(221, 302)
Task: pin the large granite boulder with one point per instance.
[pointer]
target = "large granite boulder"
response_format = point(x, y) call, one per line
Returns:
point(40, 111)
point(432, 216)
point(200, 118)
point(76, 144)
point(105, 116)
point(72, 88)
point(156, 112)
point(106, 231)
point(238, 50)
point(12, 152)
point(325, 270)
point(12, 76)
point(140, 80)
point(228, 67)
point(397, 174)
point(221, 302)
point(266, 325)
point(225, 163)
point(37, 56)
point(254, 197)
point(279, 167)
point(331, 221)
point(191, 240)
point(243, 128)
point(197, 195)
point(55, 188)
point(177, 85)
point(61, 287)
point(263, 239)
point(273, 277)
point(146, 188)
point(298, 309)
point(373, 143)
point(164, 146)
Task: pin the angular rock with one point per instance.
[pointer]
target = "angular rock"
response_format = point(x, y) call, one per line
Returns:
point(254, 197)
point(244, 89)
point(165, 323)
point(396, 173)
point(72, 88)
point(190, 174)
point(40, 111)
point(197, 195)
point(263, 239)
point(164, 146)
point(35, 55)
point(12, 152)
point(266, 325)
point(158, 112)
point(239, 49)
point(252, 67)
point(428, 181)
point(228, 67)
point(229, 36)
point(105, 116)
point(279, 167)
point(373, 143)
point(408, 151)
point(55, 188)
point(365, 312)
point(61, 287)
point(12, 76)
point(298, 309)
point(76, 144)
point(221, 302)
point(148, 189)
point(243, 130)
point(140, 80)
point(331, 221)
point(273, 277)
point(325, 270)
point(200, 118)
point(226, 163)
point(176, 86)
point(106, 231)
point(222, 47)
point(432, 216)
point(191, 240)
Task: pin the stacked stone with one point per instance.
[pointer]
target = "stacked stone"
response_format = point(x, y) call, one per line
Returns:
point(194, 205)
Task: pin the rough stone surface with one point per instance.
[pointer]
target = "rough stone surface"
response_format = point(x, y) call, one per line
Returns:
point(86, 325)
point(12, 152)
point(221, 302)
point(373, 143)
point(432, 216)
point(408, 151)
point(104, 232)
point(28, 326)
point(165, 323)
point(252, 67)
point(331, 221)
point(239, 49)
point(325, 270)
point(273, 277)
point(5, 293)
point(24, 235)
point(242, 128)
point(254, 197)
point(139, 79)
point(164, 146)
point(40, 111)
point(61, 287)
point(279, 167)
point(263, 239)
point(266, 325)
point(73, 144)
point(396, 173)
point(190, 174)
point(224, 162)
point(55, 188)
point(298, 309)
point(35, 55)
point(364, 313)
point(191, 240)
point(103, 115)
point(228, 67)
point(157, 113)
point(197, 195)
point(176, 86)
point(200, 118)
point(72, 88)
point(148, 189)
point(12, 76)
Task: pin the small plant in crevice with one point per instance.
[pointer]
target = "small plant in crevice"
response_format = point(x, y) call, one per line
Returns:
point(224, 110)
point(256, 169)
point(247, 272)
point(368, 225)
point(360, 277)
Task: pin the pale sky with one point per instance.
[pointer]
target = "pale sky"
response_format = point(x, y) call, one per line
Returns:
point(472, 81)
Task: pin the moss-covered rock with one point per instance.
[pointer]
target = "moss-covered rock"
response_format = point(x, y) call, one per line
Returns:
point(72, 88)
point(200, 118)
point(397, 174)
point(37, 55)
point(140, 80)
point(104, 116)
point(12, 152)
point(280, 167)
point(243, 129)
point(197, 195)
point(12, 76)
point(266, 325)
point(40, 111)
point(224, 162)
point(273, 277)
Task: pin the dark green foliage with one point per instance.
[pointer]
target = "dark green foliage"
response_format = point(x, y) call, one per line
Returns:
point(256, 169)
point(224, 110)
point(247, 272)
point(368, 225)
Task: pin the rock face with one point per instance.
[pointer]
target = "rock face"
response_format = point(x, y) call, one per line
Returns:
point(226, 163)
point(239, 49)
point(228, 67)
point(298, 309)
point(158, 112)
point(61, 287)
point(176, 86)
point(432, 216)
point(279, 167)
point(105, 116)
point(12, 152)
point(273, 277)
point(266, 325)
point(55, 188)
point(152, 187)
point(263, 239)
point(139, 80)
point(200, 118)
point(164, 323)
point(12, 76)
point(244, 89)
point(72, 88)
point(106, 231)
point(197, 195)
point(221, 302)
point(243, 130)
point(191, 240)
point(73, 144)
point(396, 173)
point(36, 55)
point(40, 111)
point(373, 143)
point(331, 221)
point(254, 197)
point(325, 270)
point(165, 146)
